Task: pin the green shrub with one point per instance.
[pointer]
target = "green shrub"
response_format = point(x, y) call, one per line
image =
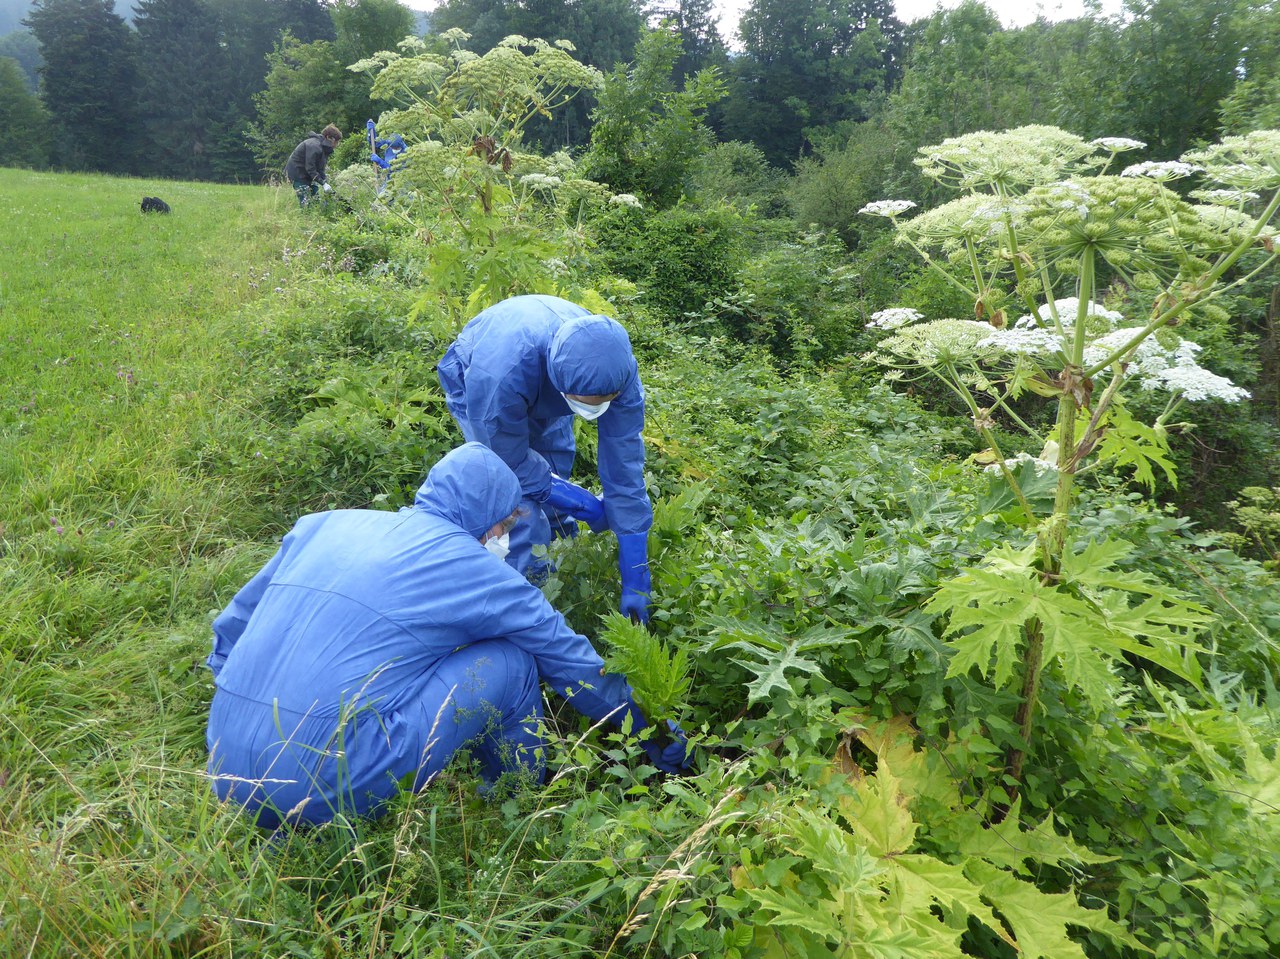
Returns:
point(681, 259)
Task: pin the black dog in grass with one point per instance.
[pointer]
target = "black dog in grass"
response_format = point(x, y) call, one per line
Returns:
point(153, 204)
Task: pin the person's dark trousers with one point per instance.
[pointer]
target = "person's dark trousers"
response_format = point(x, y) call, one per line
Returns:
point(305, 191)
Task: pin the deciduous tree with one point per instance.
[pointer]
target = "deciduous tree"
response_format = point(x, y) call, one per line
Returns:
point(22, 118)
point(809, 63)
point(23, 47)
point(646, 134)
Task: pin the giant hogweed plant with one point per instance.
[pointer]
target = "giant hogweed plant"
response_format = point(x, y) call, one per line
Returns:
point(496, 219)
point(1080, 275)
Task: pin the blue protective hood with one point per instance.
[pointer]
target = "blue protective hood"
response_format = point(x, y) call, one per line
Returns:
point(470, 487)
point(591, 356)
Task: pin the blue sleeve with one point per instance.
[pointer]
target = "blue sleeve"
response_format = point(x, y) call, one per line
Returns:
point(500, 603)
point(231, 622)
point(620, 456)
point(498, 410)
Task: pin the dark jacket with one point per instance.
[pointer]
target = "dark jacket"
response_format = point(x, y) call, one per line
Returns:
point(309, 159)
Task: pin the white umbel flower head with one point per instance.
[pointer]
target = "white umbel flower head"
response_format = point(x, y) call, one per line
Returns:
point(1249, 162)
point(893, 318)
point(1166, 368)
point(1118, 144)
point(1013, 462)
point(1226, 196)
point(889, 208)
point(1162, 170)
point(540, 181)
point(1197, 383)
point(1023, 342)
point(625, 199)
point(1067, 308)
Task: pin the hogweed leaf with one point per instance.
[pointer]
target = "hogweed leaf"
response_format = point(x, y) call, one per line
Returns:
point(920, 881)
point(921, 774)
point(771, 674)
point(1008, 845)
point(893, 942)
point(792, 909)
point(999, 606)
point(1130, 443)
point(1039, 920)
point(833, 852)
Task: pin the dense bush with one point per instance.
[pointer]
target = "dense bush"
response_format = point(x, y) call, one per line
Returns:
point(681, 259)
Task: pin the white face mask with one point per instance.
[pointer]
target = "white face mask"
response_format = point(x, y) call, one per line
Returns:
point(499, 546)
point(586, 410)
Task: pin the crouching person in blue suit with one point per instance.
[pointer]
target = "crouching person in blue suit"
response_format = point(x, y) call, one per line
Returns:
point(373, 645)
point(514, 379)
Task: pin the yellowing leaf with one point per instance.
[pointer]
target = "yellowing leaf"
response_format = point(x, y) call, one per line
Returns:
point(877, 813)
point(921, 774)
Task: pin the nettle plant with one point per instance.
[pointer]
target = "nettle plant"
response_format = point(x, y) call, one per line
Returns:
point(1079, 277)
point(497, 220)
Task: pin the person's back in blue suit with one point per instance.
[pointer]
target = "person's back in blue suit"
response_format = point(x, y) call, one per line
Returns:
point(374, 644)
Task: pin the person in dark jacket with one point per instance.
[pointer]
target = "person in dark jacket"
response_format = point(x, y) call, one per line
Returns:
point(307, 162)
point(514, 379)
point(373, 645)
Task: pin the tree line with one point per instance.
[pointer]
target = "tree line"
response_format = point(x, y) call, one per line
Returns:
point(198, 89)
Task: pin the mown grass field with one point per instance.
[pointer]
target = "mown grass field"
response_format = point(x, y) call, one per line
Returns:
point(114, 542)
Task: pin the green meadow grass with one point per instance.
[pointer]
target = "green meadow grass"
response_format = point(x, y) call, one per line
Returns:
point(122, 532)
point(115, 544)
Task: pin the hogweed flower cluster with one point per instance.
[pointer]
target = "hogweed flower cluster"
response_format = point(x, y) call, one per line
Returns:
point(893, 318)
point(888, 208)
point(1037, 223)
point(1162, 170)
point(1118, 144)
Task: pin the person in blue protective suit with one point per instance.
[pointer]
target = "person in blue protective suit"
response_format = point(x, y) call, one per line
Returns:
point(374, 644)
point(514, 379)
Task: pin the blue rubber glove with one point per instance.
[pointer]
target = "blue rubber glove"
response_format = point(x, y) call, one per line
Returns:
point(579, 503)
point(673, 757)
point(633, 569)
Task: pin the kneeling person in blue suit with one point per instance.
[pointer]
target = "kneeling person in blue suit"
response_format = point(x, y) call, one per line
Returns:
point(373, 645)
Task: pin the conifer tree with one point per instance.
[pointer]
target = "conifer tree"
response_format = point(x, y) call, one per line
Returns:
point(183, 89)
point(88, 82)
point(694, 22)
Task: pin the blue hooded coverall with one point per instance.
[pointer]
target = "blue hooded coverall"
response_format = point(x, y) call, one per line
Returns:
point(373, 645)
point(503, 381)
